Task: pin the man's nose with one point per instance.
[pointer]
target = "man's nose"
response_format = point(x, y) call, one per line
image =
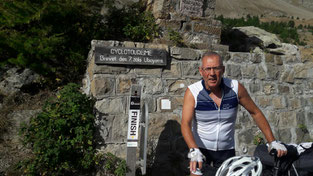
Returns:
point(212, 72)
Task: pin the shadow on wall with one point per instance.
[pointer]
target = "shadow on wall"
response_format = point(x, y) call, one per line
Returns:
point(171, 152)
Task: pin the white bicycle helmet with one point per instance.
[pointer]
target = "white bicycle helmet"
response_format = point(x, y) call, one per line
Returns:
point(240, 166)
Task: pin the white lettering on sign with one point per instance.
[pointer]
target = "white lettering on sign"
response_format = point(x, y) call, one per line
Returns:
point(103, 58)
point(127, 51)
point(133, 124)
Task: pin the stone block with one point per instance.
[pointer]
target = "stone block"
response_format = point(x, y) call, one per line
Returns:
point(104, 43)
point(206, 29)
point(302, 135)
point(128, 44)
point(248, 71)
point(287, 75)
point(246, 136)
point(151, 86)
point(103, 124)
point(157, 46)
point(297, 89)
point(148, 71)
point(123, 83)
point(309, 101)
point(117, 149)
point(187, 27)
point(294, 103)
point(269, 58)
point(285, 135)
point(278, 60)
point(162, 123)
point(273, 72)
point(269, 88)
point(150, 101)
point(289, 59)
point(234, 71)
point(221, 49)
point(264, 101)
point(273, 119)
point(279, 102)
point(261, 73)
point(238, 57)
point(254, 87)
point(109, 69)
point(191, 69)
point(309, 117)
point(177, 87)
point(111, 105)
point(300, 71)
point(102, 86)
point(174, 71)
point(244, 120)
point(184, 53)
point(257, 57)
point(287, 119)
point(119, 128)
point(283, 89)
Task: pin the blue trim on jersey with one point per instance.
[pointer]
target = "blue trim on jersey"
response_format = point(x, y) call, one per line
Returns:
point(205, 102)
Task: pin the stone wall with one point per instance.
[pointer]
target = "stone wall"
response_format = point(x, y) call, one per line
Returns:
point(192, 19)
point(281, 86)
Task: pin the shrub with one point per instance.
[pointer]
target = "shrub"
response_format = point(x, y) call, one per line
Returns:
point(258, 139)
point(61, 136)
point(176, 38)
point(114, 165)
point(131, 22)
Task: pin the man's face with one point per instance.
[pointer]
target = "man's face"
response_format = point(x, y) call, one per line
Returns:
point(212, 71)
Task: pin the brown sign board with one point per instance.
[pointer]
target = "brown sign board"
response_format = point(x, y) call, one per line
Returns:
point(130, 56)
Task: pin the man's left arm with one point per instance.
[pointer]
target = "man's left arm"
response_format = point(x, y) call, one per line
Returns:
point(259, 118)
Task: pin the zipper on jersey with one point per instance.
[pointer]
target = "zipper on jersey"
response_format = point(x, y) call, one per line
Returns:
point(219, 119)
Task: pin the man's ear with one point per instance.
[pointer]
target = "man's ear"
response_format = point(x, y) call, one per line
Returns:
point(200, 70)
point(223, 69)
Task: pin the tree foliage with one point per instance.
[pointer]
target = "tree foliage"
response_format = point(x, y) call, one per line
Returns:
point(51, 37)
point(61, 136)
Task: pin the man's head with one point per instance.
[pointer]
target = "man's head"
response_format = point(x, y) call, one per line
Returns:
point(212, 70)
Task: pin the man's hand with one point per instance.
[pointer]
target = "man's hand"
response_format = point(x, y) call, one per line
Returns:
point(279, 147)
point(195, 157)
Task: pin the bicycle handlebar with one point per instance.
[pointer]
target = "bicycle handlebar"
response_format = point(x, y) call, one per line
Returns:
point(273, 152)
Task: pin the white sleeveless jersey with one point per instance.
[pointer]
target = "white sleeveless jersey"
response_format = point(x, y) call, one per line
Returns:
point(213, 127)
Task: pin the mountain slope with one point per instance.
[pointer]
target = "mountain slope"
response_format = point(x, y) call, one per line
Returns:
point(239, 8)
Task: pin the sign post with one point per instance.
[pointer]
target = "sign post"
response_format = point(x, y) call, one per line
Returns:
point(132, 132)
point(144, 140)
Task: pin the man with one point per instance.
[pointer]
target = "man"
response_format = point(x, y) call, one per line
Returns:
point(209, 115)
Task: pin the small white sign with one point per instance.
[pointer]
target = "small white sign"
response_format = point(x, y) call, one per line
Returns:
point(165, 104)
point(132, 144)
point(133, 124)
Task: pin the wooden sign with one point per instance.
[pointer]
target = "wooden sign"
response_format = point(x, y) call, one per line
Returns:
point(130, 56)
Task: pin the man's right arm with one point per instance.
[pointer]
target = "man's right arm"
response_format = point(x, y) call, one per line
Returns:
point(187, 116)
